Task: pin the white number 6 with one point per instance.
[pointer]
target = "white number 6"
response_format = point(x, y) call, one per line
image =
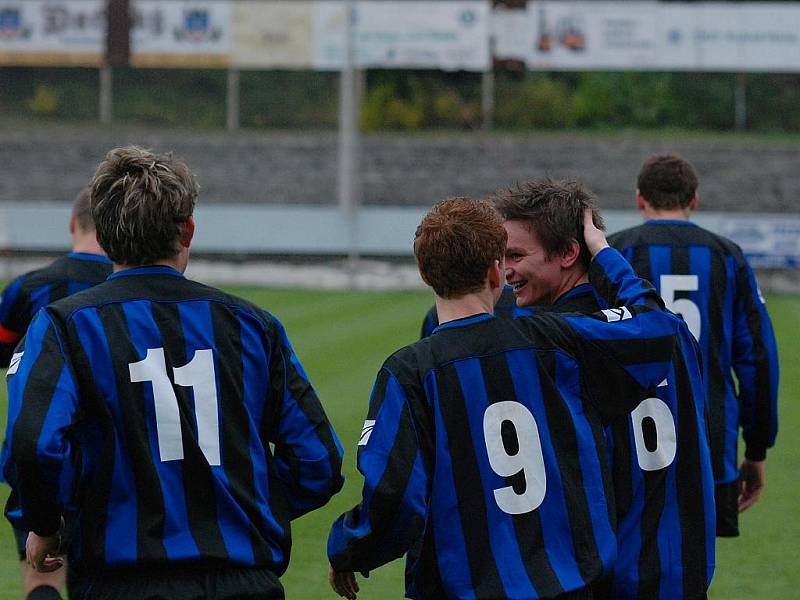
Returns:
point(528, 459)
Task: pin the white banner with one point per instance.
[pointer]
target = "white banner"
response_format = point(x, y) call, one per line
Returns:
point(49, 32)
point(184, 33)
point(442, 34)
point(647, 35)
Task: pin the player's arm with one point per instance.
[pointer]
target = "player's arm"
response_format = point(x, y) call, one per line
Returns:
point(755, 362)
point(42, 405)
point(14, 319)
point(308, 455)
point(391, 514)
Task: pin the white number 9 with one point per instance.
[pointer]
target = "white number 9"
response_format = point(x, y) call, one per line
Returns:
point(528, 459)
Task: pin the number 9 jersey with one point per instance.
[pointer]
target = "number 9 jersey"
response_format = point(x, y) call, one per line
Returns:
point(195, 430)
point(483, 453)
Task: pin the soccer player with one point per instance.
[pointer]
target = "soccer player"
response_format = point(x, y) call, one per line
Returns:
point(483, 453)
point(198, 433)
point(82, 268)
point(661, 467)
point(705, 278)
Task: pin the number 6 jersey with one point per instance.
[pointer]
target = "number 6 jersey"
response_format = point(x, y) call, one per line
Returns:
point(170, 396)
point(483, 452)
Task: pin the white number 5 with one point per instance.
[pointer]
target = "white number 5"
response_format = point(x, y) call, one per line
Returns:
point(197, 374)
point(683, 306)
point(528, 458)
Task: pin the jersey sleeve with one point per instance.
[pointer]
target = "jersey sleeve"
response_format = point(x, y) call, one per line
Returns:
point(429, 323)
point(308, 455)
point(43, 404)
point(391, 514)
point(755, 362)
point(625, 351)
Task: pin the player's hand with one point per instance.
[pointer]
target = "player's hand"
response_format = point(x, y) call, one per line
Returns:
point(344, 583)
point(752, 477)
point(594, 237)
point(42, 553)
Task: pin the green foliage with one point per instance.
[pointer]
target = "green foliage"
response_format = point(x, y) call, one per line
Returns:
point(289, 99)
point(44, 101)
point(535, 101)
point(343, 337)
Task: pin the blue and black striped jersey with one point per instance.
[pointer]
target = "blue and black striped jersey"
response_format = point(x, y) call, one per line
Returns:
point(28, 293)
point(483, 452)
point(663, 482)
point(705, 278)
point(197, 432)
point(506, 307)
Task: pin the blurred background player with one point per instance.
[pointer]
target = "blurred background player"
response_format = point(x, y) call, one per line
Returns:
point(85, 266)
point(482, 452)
point(661, 468)
point(171, 393)
point(82, 268)
point(705, 278)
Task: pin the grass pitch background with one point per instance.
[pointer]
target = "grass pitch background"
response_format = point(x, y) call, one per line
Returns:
point(343, 337)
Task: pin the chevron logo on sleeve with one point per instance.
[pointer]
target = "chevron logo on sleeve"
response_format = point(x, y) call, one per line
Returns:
point(617, 314)
point(366, 432)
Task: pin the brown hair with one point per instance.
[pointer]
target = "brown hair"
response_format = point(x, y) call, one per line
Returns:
point(667, 182)
point(82, 210)
point(554, 209)
point(140, 201)
point(456, 243)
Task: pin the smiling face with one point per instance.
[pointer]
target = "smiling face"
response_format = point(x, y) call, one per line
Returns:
point(536, 279)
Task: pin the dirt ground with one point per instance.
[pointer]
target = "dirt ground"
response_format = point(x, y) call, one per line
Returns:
point(737, 173)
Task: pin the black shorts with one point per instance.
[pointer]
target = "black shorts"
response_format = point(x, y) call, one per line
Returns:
point(726, 496)
point(179, 581)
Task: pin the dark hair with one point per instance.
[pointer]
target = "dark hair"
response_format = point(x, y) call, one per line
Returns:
point(554, 209)
point(456, 243)
point(82, 210)
point(140, 201)
point(667, 182)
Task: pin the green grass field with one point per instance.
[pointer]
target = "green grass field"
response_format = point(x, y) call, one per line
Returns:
point(342, 339)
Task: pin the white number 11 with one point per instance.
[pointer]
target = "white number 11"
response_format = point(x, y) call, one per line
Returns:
point(197, 374)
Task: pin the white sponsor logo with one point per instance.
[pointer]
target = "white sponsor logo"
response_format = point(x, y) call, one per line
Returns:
point(663, 384)
point(366, 432)
point(14, 364)
point(617, 314)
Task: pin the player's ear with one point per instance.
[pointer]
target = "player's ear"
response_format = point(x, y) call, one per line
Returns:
point(641, 203)
point(73, 224)
point(693, 202)
point(187, 232)
point(496, 274)
point(572, 254)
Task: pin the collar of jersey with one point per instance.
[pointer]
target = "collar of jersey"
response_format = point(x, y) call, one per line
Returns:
point(670, 222)
point(93, 257)
point(584, 288)
point(147, 270)
point(464, 321)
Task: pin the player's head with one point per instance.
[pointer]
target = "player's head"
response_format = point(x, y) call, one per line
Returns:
point(544, 221)
point(82, 212)
point(457, 244)
point(142, 204)
point(667, 182)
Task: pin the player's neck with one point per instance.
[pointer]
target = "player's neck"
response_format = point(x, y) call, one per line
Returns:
point(678, 214)
point(451, 309)
point(87, 244)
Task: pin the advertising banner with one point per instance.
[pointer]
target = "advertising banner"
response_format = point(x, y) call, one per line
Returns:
point(273, 34)
point(768, 242)
point(647, 35)
point(439, 34)
point(181, 34)
point(52, 33)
